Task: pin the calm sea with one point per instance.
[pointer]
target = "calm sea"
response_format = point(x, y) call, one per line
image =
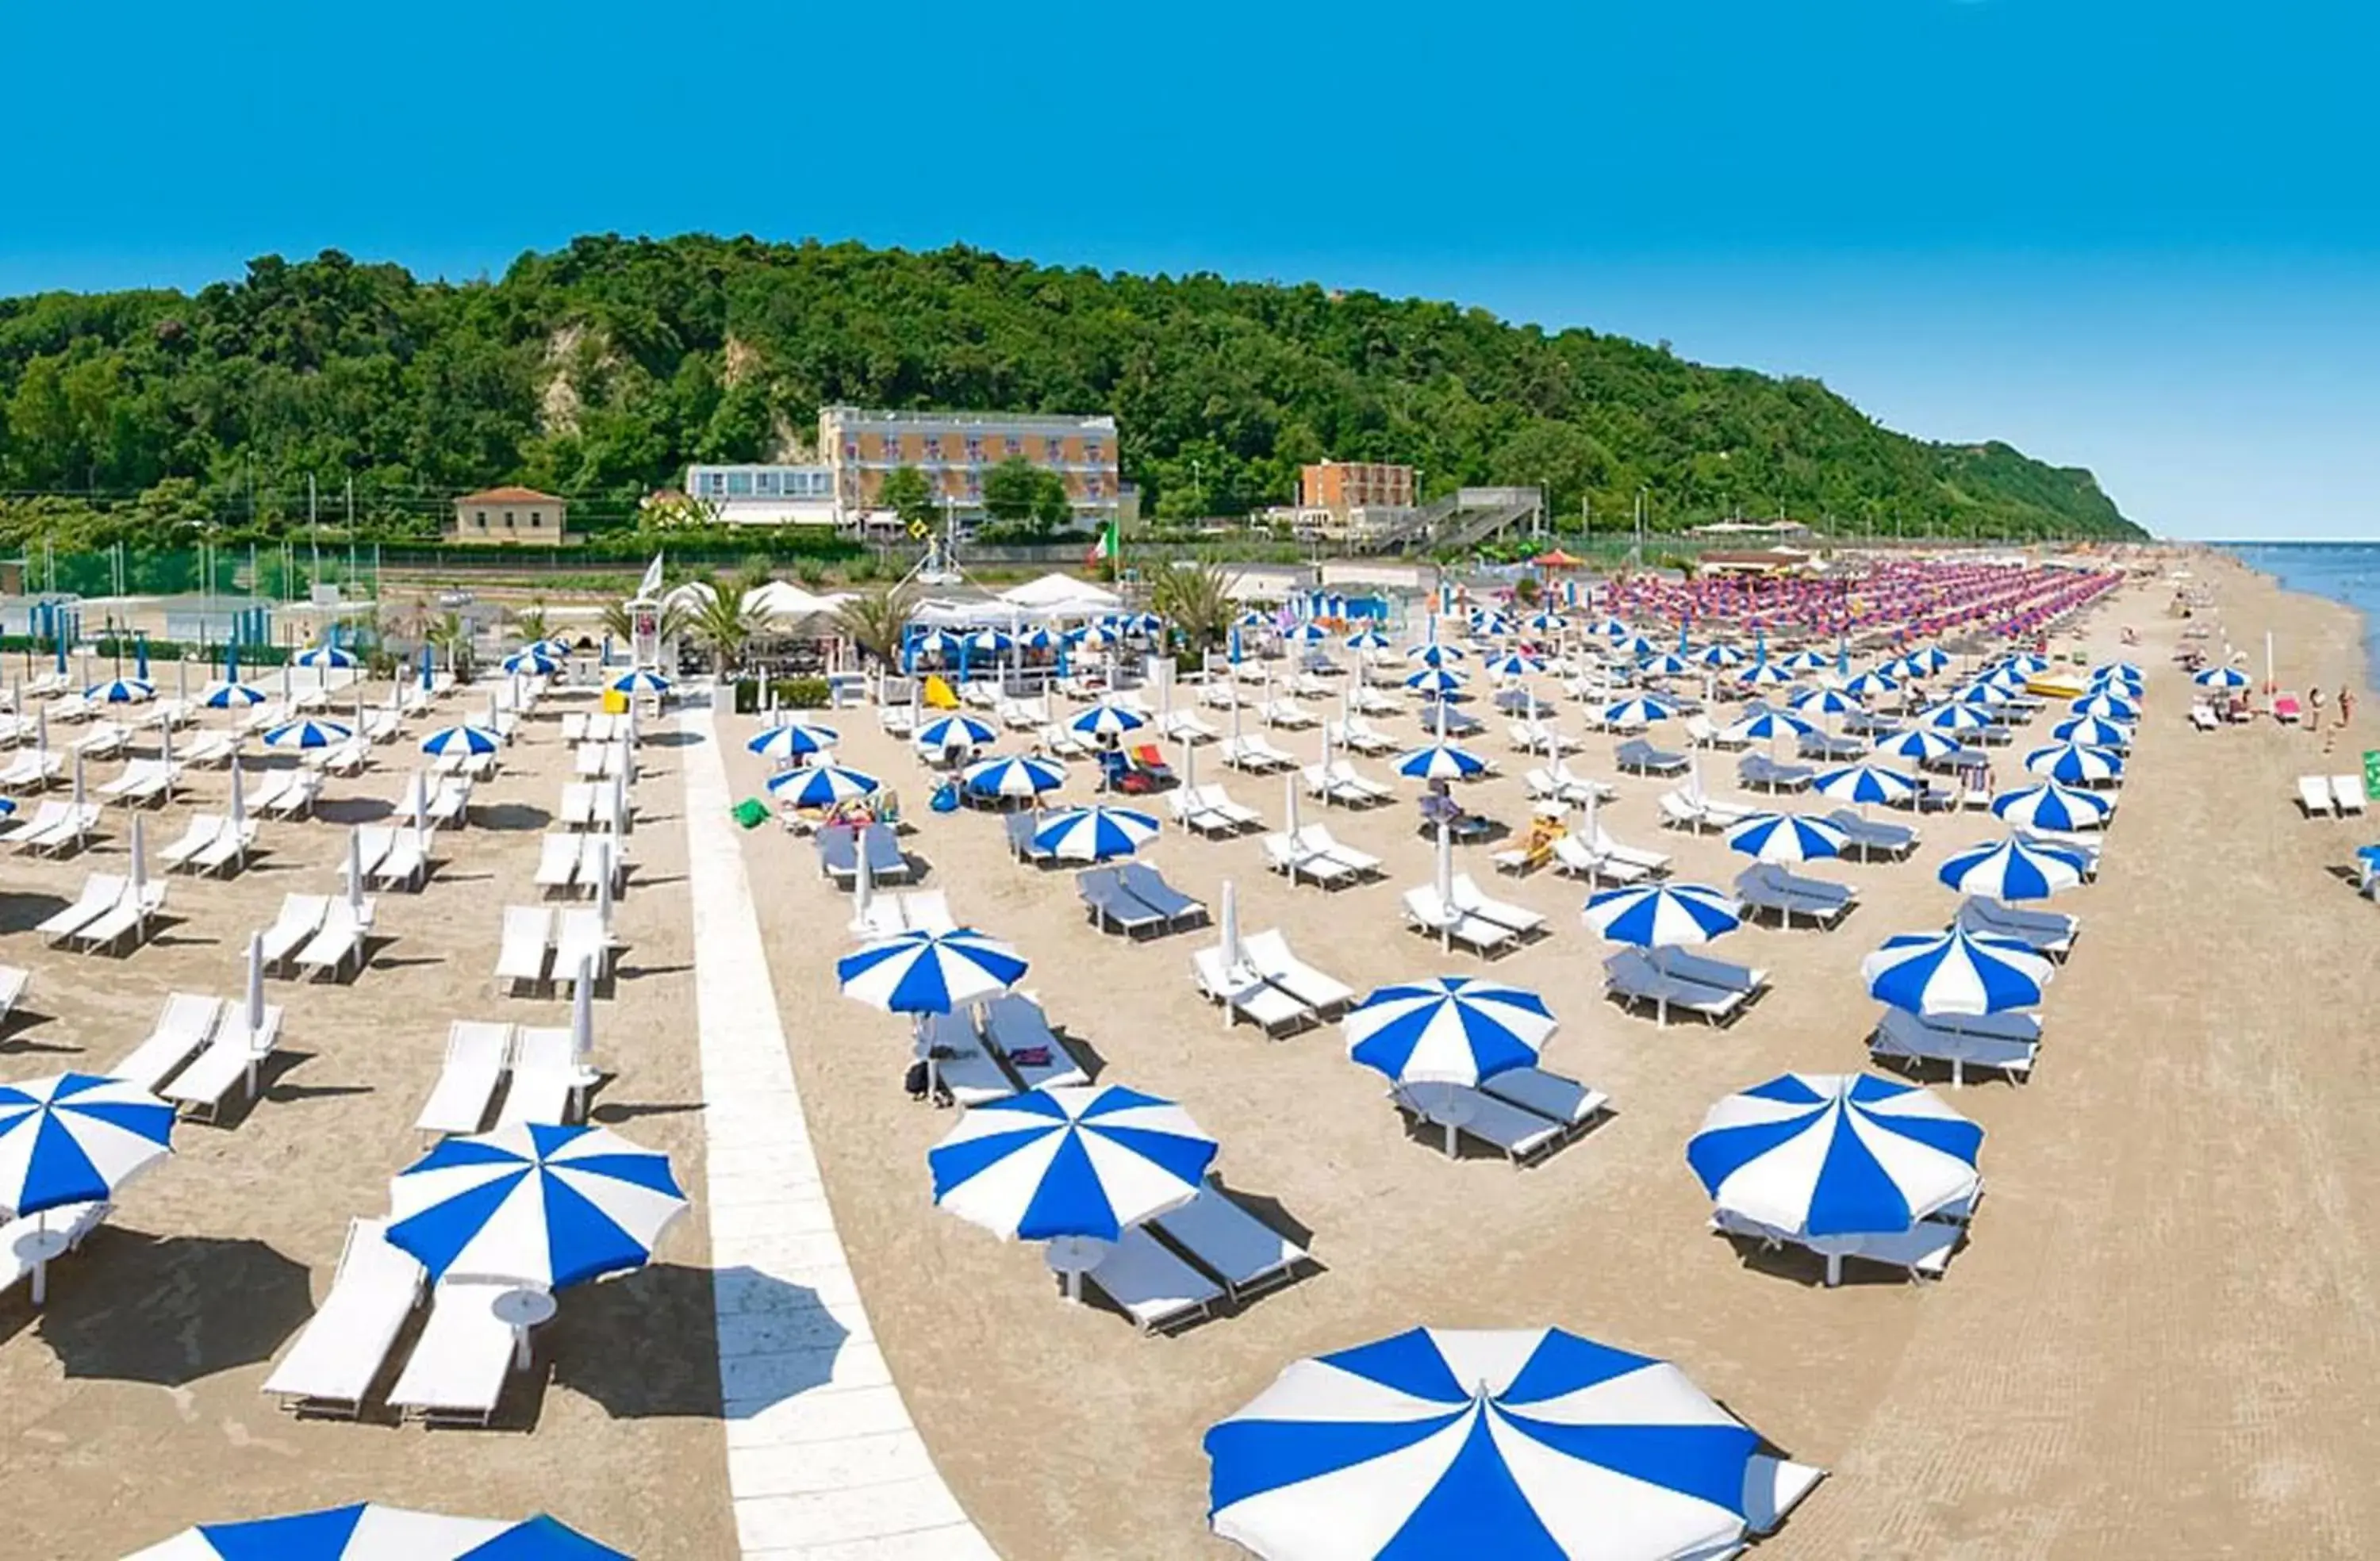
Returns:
point(2348, 571)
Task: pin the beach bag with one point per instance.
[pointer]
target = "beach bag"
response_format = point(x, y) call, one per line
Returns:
point(751, 812)
point(945, 798)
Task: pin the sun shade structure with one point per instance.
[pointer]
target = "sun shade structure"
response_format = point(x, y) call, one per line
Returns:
point(121, 691)
point(1093, 834)
point(538, 1206)
point(1436, 680)
point(308, 735)
point(1663, 916)
point(1639, 711)
point(930, 972)
point(369, 1532)
point(1868, 684)
point(1523, 1444)
point(953, 732)
point(468, 740)
point(2052, 806)
point(1864, 783)
point(820, 785)
point(234, 696)
point(1826, 1159)
point(2074, 764)
point(1436, 653)
point(1017, 775)
point(1442, 762)
point(2010, 869)
point(1917, 743)
point(795, 740)
point(1786, 837)
point(1764, 674)
point(1956, 973)
point(1448, 1030)
point(532, 661)
point(641, 681)
point(1071, 1160)
point(76, 1138)
point(328, 656)
point(1106, 721)
point(2107, 706)
point(2221, 677)
point(2092, 732)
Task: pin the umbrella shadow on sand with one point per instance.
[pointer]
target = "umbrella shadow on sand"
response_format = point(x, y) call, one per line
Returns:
point(647, 1345)
point(170, 1310)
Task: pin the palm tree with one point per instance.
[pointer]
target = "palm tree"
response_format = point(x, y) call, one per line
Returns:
point(873, 619)
point(724, 623)
point(674, 620)
point(530, 621)
point(1195, 600)
point(450, 635)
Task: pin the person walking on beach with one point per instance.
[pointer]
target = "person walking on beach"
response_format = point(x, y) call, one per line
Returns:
point(2346, 706)
point(2313, 710)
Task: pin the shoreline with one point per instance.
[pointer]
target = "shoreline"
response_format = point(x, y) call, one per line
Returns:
point(2367, 635)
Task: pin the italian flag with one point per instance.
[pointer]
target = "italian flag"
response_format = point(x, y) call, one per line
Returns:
point(1106, 548)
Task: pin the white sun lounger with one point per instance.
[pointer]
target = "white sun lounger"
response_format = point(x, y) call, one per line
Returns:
point(1013, 1022)
point(577, 808)
point(968, 1070)
point(1215, 800)
point(1284, 855)
point(103, 741)
point(1248, 1255)
point(234, 1054)
point(142, 782)
point(2313, 795)
point(557, 862)
point(1247, 995)
point(185, 1023)
point(207, 750)
point(2347, 793)
point(545, 1082)
point(32, 771)
point(75, 1221)
point(578, 937)
point(197, 835)
point(599, 851)
point(927, 910)
point(1517, 919)
point(229, 848)
point(1151, 1286)
point(341, 939)
point(12, 982)
point(1425, 911)
point(1268, 953)
point(451, 803)
point(297, 796)
point(128, 917)
point(407, 866)
point(45, 819)
point(99, 893)
point(477, 1055)
point(1319, 838)
point(339, 1352)
point(457, 1371)
point(528, 935)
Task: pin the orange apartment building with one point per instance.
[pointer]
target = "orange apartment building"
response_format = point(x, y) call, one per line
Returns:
point(957, 450)
point(1344, 486)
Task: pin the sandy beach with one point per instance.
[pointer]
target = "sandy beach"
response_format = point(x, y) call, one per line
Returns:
point(2164, 1337)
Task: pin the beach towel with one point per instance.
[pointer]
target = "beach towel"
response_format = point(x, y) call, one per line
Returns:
point(751, 812)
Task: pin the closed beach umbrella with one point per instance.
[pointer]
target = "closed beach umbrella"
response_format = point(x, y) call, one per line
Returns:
point(2108, 707)
point(1448, 1030)
point(1863, 783)
point(1093, 834)
point(1086, 1161)
point(2075, 764)
point(1519, 1442)
point(457, 740)
point(953, 732)
point(1785, 838)
point(929, 972)
point(820, 785)
point(1917, 743)
point(2052, 806)
point(1442, 762)
point(1955, 973)
point(1825, 1159)
point(76, 1138)
point(2011, 870)
point(121, 691)
point(795, 740)
point(1662, 915)
point(1106, 721)
point(234, 696)
point(536, 1206)
point(2221, 677)
point(369, 1532)
point(308, 733)
point(1642, 711)
point(1022, 775)
point(2092, 732)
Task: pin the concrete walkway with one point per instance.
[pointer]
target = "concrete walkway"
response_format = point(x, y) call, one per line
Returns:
point(822, 1462)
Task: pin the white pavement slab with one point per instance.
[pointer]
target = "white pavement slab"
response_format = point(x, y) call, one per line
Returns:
point(823, 1463)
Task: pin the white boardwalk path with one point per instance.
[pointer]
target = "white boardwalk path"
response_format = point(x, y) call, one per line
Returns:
point(822, 1462)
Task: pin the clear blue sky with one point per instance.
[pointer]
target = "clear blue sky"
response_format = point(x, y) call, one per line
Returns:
point(2137, 238)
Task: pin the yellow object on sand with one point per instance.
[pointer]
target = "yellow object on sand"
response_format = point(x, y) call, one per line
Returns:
point(938, 694)
point(615, 702)
point(2053, 688)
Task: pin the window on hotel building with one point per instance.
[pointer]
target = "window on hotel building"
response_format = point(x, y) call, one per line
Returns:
point(536, 518)
point(851, 449)
point(1091, 452)
point(1054, 449)
point(933, 447)
point(765, 484)
point(739, 484)
point(1013, 445)
point(974, 448)
point(508, 520)
point(483, 519)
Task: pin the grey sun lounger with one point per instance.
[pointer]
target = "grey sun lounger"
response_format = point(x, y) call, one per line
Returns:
point(1013, 1023)
point(838, 853)
point(1520, 1134)
point(1552, 1095)
point(1629, 976)
point(1147, 885)
point(1761, 772)
point(965, 1066)
point(1021, 827)
point(1708, 971)
point(2045, 932)
point(1763, 886)
point(1642, 759)
point(2007, 1043)
point(1871, 838)
point(1115, 908)
point(1148, 1284)
point(339, 1353)
point(1248, 1255)
point(883, 848)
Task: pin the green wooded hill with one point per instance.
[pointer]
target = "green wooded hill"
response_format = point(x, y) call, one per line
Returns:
point(600, 370)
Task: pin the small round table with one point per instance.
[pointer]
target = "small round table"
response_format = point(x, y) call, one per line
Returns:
point(522, 1310)
point(1074, 1256)
point(1446, 1106)
point(35, 1249)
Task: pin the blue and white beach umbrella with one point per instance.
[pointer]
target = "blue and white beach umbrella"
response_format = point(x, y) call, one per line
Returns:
point(530, 1205)
point(234, 696)
point(1864, 783)
point(1106, 721)
point(1668, 664)
point(1546, 622)
point(1441, 761)
point(1069, 1160)
point(1766, 723)
point(2221, 677)
point(2010, 869)
point(532, 661)
point(929, 972)
point(1367, 640)
point(2052, 806)
point(1809, 659)
point(2122, 689)
point(1662, 915)
point(1307, 632)
point(1785, 837)
point(1824, 702)
point(326, 656)
point(795, 740)
point(1719, 654)
point(1642, 711)
point(1636, 648)
point(1039, 639)
point(1954, 718)
point(1438, 680)
point(1016, 775)
point(369, 1532)
point(2091, 731)
point(308, 733)
point(457, 740)
point(76, 1138)
point(2108, 707)
point(1917, 743)
point(2026, 664)
point(1101, 634)
point(954, 731)
point(1436, 653)
point(2075, 764)
point(1448, 1030)
point(1093, 834)
point(1764, 674)
point(1933, 658)
point(1955, 973)
point(1514, 664)
point(121, 691)
point(1987, 695)
point(820, 785)
point(1868, 684)
point(641, 680)
point(2128, 670)
point(989, 642)
point(7, 807)
point(1521, 1445)
point(1818, 1156)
